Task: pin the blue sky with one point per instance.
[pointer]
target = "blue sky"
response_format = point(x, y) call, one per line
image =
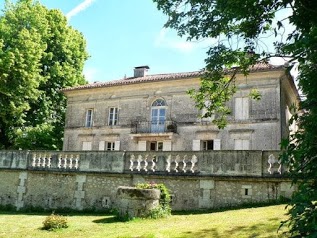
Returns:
point(122, 34)
point(127, 33)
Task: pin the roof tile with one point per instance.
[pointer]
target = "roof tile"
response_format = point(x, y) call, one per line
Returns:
point(161, 77)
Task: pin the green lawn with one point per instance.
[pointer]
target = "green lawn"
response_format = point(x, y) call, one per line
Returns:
point(251, 222)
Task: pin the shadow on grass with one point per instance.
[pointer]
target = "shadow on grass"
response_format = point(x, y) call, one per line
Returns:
point(109, 219)
point(205, 233)
point(245, 231)
point(224, 209)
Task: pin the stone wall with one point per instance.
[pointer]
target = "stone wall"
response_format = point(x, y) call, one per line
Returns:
point(90, 180)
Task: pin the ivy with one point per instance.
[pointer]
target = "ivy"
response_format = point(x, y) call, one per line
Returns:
point(164, 208)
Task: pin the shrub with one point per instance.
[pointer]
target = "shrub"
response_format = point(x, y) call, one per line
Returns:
point(53, 222)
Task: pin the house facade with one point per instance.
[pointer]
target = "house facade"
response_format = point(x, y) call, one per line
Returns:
point(155, 113)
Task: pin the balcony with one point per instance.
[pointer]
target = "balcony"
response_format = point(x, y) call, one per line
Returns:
point(141, 127)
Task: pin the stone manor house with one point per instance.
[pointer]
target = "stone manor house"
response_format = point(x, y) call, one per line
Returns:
point(155, 113)
point(146, 128)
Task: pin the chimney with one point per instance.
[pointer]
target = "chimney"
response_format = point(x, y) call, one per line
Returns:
point(141, 71)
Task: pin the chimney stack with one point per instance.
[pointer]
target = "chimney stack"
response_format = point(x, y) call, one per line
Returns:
point(141, 71)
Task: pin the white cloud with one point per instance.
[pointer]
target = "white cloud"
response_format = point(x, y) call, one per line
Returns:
point(79, 8)
point(90, 74)
point(166, 40)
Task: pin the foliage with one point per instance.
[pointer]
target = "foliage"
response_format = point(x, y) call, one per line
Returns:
point(39, 54)
point(53, 222)
point(164, 208)
point(242, 31)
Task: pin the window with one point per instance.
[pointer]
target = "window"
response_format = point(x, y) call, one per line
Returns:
point(159, 103)
point(89, 115)
point(87, 145)
point(110, 145)
point(208, 144)
point(158, 114)
point(113, 116)
point(156, 146)
point(241, 108)
point(246, 191)
point(204, 111)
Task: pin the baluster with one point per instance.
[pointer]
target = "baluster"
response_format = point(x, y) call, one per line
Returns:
point(184, 163)
point(34, 160)
point(177, 159)
point(49, 159)
point(59, 161)
point(194, 160)
point(65, 162)
point(153, 164)
point(139, 162)
point(145, 162)
point(44, 160)
point(70, 161)
point(39, 160)
point(132, 157)
point(271, 161)
point(168, 163)
point(76, 162)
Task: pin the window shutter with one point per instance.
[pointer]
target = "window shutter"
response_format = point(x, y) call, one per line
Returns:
point(217, 144)
point(241, 108)
point(245, 144)
point(86, 145)
point(167, 145)
point(142, 145)
point(240, 144)
point(101, 145)
point(196, 145)
point(117, 145)
point(245, 107)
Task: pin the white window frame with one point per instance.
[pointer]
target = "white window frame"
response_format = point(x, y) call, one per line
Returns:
point(113, 116)
point(109, 145)
point(89, 117)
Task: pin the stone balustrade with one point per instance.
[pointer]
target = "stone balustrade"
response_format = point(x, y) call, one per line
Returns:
point(213, 163)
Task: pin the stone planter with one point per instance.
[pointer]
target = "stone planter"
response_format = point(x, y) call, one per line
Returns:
point(135, 202)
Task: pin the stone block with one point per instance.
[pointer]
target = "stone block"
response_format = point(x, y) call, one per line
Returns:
point(207, 184)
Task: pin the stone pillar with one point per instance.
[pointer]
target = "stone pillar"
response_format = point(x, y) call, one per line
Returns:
point(79, 193)
point(205, 199)
point(21, 190)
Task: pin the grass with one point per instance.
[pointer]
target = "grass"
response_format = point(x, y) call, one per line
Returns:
point(250, 222)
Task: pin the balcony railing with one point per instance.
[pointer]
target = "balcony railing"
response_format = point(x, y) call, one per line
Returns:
point(153, 127)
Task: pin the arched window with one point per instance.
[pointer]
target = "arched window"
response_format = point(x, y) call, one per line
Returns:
point(158, 115)
point(159, 103)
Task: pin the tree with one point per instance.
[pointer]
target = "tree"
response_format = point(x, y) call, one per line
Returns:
point(239, 28)
point(39, 55)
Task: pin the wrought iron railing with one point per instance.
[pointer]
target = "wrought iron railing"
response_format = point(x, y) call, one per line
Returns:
point(153, 127)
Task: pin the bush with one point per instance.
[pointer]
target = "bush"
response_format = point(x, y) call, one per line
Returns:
point(53, 222)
